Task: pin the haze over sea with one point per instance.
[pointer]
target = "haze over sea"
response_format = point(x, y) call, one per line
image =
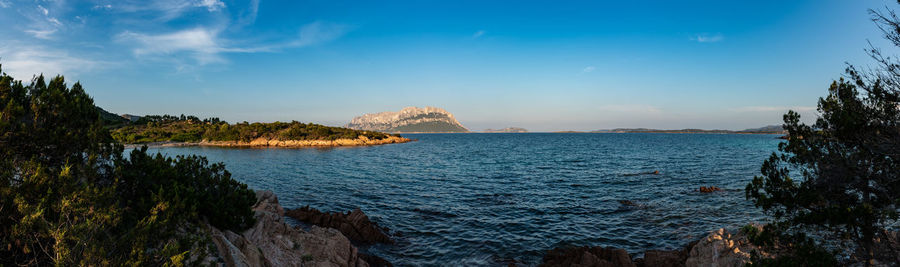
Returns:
point(484, 199)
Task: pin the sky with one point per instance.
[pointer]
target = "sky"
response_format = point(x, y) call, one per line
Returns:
point(540, 65)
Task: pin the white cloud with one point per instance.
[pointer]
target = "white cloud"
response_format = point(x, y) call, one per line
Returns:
point(40, 24)
point(5, 4)
point(250, 16)
point(24, 61)
point(588, 69)
point(478, 34)
point(166, 10)
point(706, 38)
point(54, 21)
point(211, 5)
point(200, 43)
point(41, 34)
point(205, 46)
point(106, 7)
point(318, 32)
point(773, 109)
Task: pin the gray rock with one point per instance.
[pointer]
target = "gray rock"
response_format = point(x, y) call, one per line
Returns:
point(272, 242)
point(721, 249)
point(409, 119)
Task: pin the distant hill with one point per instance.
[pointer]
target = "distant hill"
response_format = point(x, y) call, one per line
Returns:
point(132, 118)
point(771, 129)
point(109, 118)
point(409, 120)
point(766, 129)
point(507, 130)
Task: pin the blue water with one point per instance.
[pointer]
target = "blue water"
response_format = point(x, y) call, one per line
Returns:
point(487, 199)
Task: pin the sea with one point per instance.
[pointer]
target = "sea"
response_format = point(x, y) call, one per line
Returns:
point(495, 198)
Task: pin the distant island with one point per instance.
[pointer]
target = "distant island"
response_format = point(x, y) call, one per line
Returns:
point(507, 130)
point(167, 130)
point(409, 120)
point(771, 129)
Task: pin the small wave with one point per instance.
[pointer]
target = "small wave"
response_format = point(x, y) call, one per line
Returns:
point(436, 213)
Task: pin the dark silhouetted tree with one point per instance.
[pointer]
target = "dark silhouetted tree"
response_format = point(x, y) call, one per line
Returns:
point(838, 179)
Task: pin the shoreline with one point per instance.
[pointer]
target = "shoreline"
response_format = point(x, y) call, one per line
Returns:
point(671, 132)
point(271, 143)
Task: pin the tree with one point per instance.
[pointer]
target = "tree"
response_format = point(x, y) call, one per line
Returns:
point(69, 197)
point(839, 179)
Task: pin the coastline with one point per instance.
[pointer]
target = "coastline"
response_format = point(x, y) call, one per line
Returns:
point(668, 132)
point(265, 143)
point(329, 242)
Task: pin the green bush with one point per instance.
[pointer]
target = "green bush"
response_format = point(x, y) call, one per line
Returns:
point(171, 128)
point(70, 197)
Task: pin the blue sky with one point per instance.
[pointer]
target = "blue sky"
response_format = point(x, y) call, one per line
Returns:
point(541, 65)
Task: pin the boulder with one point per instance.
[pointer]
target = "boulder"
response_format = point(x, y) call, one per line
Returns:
point(709, 189)
point(354, 224)
point(664, 258)
point(587, 257)
point(375, 261)
point(272, 242)
point(722, 249)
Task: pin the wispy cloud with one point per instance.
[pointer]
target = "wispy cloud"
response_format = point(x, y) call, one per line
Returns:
point(249, 15)
point(707, 38)
point(211, 5)
point(773, 109)
point(41, 34)
point(206, 46)
point(5, 4)
point(199, 43)
point(478, 34)
point(588, 69)
point(42, 22)
point(23, 61)
point(166, 10)
point(318, 32)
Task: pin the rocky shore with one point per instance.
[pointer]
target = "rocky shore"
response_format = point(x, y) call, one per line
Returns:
point(720, 248)
point(354, 224)
point(272, 242)
point(330, 239)
point(265, 142)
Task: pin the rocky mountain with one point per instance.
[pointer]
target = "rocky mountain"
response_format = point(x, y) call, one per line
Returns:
point(507, 130)
point(409, 120)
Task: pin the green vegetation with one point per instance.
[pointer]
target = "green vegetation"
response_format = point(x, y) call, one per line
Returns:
point(111, 120)
point(192, 129)
point(834, 188)
point(429, 127)
point(70, 197)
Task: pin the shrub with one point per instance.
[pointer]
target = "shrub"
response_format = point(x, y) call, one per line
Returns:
point(69, 196)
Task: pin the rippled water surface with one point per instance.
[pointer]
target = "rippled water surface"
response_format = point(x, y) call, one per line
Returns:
point(487, 199)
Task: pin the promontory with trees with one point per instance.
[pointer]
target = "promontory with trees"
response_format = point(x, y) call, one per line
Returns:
point(191, 130)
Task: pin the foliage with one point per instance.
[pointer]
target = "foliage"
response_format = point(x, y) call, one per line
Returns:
point(837, 180)
point(69, 196)
point(191, 129)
